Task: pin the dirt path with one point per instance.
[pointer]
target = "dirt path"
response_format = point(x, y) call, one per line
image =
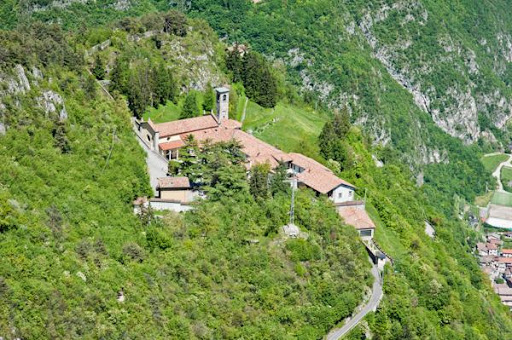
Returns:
point(497, 172)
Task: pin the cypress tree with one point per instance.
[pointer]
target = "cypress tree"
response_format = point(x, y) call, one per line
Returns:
point(209, 98)
point(99, 68)
point(258, 185)
point(190, 108)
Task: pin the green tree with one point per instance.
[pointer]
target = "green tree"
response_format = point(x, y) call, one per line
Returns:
point(278, 182)
point(209, 98)
point(331, 140)
point(190, 108)
point(260, 84)
point(59, 133)
point(99, 68)
point(119, 76)
point(165, 88)
point(175, 23)
point(259, 180)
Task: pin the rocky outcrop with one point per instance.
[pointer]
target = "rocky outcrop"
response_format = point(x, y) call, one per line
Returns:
point(52, 102)
point(454, 109)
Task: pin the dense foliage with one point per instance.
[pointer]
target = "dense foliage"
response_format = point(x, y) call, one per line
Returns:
point(255, 73)
point(77, 263)
point(70, 243)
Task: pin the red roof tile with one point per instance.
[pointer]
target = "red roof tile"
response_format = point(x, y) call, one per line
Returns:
point(317, 176)
point(507, 260)
point(356, 217)
point(256, 150)
point(179, 127)
point(172, 145)
point(491, 246)
point(173, 183)
point(506, 251)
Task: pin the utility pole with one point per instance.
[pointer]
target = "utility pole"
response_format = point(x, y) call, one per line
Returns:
point(292, 205)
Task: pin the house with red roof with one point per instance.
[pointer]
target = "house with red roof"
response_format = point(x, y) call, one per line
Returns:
point(168, 138)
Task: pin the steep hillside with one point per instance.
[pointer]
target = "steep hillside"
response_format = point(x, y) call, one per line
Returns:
point(405, 64)
point(449, 61)
point(76, 261)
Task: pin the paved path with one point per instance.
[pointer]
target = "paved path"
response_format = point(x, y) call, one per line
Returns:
point(157, 165)
point(497, 172)
point(372, 305)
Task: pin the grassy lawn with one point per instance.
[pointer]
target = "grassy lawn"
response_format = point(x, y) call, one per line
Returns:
point(491, 162)
point(163, 114)
point(288, 127)
point(506, 178)
point(502, 198)
point(385, 239)
point(483, 200)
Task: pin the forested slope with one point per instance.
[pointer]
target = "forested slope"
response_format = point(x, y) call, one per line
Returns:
point(76, 261)
point(67, 229)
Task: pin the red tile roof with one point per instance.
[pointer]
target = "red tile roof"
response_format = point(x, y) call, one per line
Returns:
point(256, 150)
point(172, 145)
point(356, 217)
point(179, 127)
point(506, 251)
point(317, 176)
point(173, 183)
point(491, 246)
point(260, 152)
point(507, 260)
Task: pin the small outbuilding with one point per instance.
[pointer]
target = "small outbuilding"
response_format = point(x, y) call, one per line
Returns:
point(175, 189)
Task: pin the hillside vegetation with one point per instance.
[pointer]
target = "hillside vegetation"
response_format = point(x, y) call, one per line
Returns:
point(70, 167)
point(71, 246)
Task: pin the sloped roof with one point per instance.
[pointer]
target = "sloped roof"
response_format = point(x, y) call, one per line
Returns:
point(491, 246)
point(317, 176)
point(181, 126)
point(175, 144)
point(173, 183)
point(481, 246)
point(506, 251)
point(356, 217)
point(256, 150)
point(507, 260)
point(260, 152)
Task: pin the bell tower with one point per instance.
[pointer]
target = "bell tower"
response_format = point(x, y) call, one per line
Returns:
point(222, 99)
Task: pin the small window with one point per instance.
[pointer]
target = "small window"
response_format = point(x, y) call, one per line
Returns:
point(149, 138)
point(224, 97)
point(340, 195)
point(350, 193)
point(365, 232)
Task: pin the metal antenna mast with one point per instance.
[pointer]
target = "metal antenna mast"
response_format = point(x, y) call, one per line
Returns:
point(292, 205)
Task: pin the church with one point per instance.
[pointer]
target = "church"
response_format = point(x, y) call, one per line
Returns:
point(168, 138)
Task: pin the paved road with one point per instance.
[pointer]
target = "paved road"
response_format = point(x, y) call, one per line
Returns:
point(372, 305)
point(157, 165)
point(497, 172)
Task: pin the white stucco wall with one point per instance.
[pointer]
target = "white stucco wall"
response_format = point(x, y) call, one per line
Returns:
point(342, 194)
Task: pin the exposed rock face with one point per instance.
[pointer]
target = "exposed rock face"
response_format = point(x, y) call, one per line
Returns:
point(52, 102)
point(62, 4)
point(454, 109)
